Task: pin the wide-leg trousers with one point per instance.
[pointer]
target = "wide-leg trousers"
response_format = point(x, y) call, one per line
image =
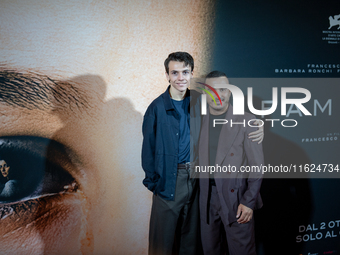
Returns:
point(174, 225)
point(219, 237)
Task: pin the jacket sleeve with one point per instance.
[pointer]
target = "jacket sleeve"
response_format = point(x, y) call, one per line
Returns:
point(254, 153)
point(148, 151)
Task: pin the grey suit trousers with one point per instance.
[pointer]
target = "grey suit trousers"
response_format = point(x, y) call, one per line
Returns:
point(218, 237)
point(174, 225)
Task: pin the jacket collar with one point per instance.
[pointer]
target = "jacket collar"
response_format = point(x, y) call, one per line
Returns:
point(225, 141)
point(167, 99)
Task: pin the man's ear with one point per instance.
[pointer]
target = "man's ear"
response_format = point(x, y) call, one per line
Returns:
point(167, 76)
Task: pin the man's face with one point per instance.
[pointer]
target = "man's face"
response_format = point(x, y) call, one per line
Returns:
point(4, 168)
point(224, 94)
point(179, 75)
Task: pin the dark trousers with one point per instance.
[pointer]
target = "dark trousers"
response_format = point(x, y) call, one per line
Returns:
point(218, 237)
point(174, 225)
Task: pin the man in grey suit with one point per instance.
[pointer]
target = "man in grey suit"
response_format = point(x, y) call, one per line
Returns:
point(227, 199)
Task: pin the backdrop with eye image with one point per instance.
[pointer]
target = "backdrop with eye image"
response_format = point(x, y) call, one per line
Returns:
point(76, 79)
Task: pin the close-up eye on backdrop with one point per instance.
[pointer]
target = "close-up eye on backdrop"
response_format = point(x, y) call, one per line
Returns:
point(76, 78)
point(28, 173)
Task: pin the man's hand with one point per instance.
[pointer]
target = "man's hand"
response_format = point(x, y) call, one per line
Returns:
point(258, 134)
point(245, 212)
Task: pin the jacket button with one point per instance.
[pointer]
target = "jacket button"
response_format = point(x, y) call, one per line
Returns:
point(176, 133)
point(172, 195)
point(232, 154)
point(232, 191)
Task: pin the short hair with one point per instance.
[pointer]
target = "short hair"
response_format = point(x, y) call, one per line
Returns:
point(179, 57)
point(215, 74)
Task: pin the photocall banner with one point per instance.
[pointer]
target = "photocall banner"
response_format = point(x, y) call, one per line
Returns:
point(289, 44)
point(76, 78)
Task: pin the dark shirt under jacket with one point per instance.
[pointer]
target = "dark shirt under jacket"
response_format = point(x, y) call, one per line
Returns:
point(214, 135)
point(161, 127)
point(182, 108)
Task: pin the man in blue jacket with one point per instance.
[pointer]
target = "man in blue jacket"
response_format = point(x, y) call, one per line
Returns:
point(166, 162)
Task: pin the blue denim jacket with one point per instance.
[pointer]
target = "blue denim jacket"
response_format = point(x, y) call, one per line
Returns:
point(160, 145)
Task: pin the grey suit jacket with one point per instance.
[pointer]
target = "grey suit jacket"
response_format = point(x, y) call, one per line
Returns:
point(234, 149)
